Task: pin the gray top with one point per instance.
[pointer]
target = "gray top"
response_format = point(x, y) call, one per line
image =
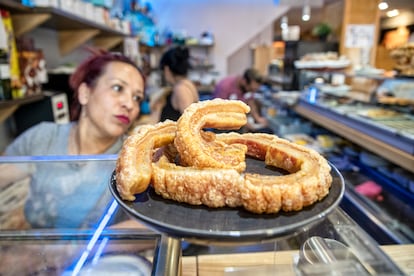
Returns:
point(63, 194)
point(47, 138)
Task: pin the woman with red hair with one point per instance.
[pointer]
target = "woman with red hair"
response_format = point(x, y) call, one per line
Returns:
point(108, 89)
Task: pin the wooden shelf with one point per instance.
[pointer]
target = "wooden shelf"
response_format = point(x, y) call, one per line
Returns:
point(158, 50)
point(204, 67)
point(23, 23)
point(70, 40)
point(73, 30)
point(26, 100)
point(207, 46)
point(162, 47)
point(107, 41)
point(7, 108)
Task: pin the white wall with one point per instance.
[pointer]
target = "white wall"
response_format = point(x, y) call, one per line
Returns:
point(234, 23)
point(242, 58)
point(47, 39)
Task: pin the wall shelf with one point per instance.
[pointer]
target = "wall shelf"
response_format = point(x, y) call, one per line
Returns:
point(7, 108)
point(73, 30)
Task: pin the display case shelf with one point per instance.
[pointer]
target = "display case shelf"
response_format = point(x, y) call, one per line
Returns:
point(393, 147)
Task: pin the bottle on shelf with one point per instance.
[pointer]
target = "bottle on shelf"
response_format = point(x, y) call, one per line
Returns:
point(5, 82)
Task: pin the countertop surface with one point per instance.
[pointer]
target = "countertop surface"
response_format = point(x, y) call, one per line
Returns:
point(263, 263)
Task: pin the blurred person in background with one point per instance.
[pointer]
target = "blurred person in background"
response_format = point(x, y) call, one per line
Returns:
point(245, 88)
point(175, 65)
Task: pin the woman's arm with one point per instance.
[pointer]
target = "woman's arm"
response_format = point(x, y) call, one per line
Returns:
point(255, 112)
point(10, 173)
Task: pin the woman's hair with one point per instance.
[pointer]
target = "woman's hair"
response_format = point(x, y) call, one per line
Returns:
point(177, 59)
point(252, 74)
point(90, 70)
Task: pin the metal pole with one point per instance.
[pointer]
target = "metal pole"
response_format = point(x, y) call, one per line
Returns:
point(167, 259)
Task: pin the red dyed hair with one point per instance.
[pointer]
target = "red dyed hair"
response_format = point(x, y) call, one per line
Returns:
point(90, 70)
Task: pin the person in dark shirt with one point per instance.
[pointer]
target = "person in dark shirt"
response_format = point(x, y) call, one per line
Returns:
point(175, 66)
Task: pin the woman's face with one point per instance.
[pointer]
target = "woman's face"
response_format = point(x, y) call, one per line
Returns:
point(253, 86)
point(113, 103)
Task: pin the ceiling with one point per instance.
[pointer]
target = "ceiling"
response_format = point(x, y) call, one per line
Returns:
point(407, 5)
point(294, 16)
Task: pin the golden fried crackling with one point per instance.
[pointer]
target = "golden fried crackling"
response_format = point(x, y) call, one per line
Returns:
point(212, 187)
point(133, 167)
point(308, 181)
point(198, 152)
point(205, 176)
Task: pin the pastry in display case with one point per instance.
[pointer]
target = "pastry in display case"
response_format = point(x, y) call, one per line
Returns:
point(322, 60)
point(381, 133)
point(396, 92)
point(404, 58)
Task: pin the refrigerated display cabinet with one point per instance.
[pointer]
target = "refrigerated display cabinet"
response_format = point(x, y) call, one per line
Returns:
point(323, 237)
point(376, 151)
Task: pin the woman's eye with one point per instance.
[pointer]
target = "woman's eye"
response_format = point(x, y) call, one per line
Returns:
point(137, 98)
point(117, 87)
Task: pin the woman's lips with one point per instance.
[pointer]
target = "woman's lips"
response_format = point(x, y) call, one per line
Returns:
point(123, 119)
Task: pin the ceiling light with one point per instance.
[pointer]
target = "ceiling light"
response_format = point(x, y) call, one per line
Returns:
point(383, 5)
point(393, 13)
point(284, 22)
point(306, 13)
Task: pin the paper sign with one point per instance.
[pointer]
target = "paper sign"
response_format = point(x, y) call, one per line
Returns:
point(359, 35)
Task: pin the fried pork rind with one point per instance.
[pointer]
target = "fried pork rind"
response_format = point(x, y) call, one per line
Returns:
point(204, 168)
point(195, 150)
point(134, 163)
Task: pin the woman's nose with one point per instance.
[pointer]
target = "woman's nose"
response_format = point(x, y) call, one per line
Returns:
point(127, 100)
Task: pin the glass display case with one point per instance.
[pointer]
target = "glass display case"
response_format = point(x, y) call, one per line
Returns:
point(76, 252)
point(331, 241)
point(382, 151)
point(369, 140)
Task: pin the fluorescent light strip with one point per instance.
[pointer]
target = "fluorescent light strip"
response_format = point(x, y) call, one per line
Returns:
point(95, 236)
